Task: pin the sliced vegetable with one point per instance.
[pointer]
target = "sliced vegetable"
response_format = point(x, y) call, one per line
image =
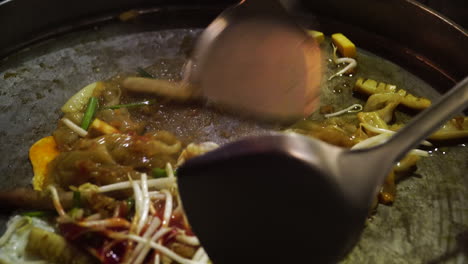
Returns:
point(159, 173)
point(317, 35)
point(103, 127)
point(143, 73)
point(344, 45)
point(373, 119)
point(89, 113)
point(16, 223)
point(409, 100)
point(76, 199)
point(383, 104)
point(55, 248)
point(78, 101)
point(388, 190)
point(377, 131)
point(41, 154)
point(369, 87)
point(193, 150)
point(38, 213)
point(379, 101)
point(131, 105)
point(406, 163)
point(455, 128)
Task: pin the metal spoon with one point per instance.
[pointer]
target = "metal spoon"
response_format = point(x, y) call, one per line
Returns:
point(290, 198)
point(254, 58)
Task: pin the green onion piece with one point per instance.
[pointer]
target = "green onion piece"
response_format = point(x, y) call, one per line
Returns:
point(159, 173)
point(144, 73)
point(89, 113)
point(37, 213)
point(138, 104)
point(76, 213)
point(130, 204)
point(76, 199)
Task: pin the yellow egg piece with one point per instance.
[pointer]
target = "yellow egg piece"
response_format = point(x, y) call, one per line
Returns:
point(345, 47)
point(41, 154)
point(102, 127)
point(317, 35)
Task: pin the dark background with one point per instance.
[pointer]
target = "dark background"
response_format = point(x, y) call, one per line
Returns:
point(456, 10)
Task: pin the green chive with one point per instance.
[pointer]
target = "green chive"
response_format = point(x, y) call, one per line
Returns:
point(144, 73)
point(76, 213)
point(76, 199)
point(89, 113)
point(37, 213)
point(159, 173)
point(138, 104)
point(130, 204)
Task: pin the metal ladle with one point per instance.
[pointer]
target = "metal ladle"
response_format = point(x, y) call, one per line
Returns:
point(293, 199)
point(254, 59)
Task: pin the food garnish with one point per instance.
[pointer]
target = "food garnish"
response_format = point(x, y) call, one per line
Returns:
point(129, 105)
point(111, 181)
point(350, 61)
point(143, 73)
point(89, 113)
point(350, 109)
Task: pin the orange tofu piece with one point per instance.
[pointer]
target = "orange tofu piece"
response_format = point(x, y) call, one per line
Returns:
point(41, 154)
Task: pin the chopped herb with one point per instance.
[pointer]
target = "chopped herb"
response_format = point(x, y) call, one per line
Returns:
point(38, 213)
point(159, 173)
point(76, 213)
point(76, 199)
point(130, 105)
point(130, 204)
point(144, 73)
point(89, 113)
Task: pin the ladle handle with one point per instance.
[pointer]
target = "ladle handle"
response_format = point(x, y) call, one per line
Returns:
point(427, 122)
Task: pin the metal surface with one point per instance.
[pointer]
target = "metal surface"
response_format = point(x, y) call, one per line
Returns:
point(255, 178)
point(426, 224)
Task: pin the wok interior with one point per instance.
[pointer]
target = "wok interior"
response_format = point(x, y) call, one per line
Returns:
point(421, 225)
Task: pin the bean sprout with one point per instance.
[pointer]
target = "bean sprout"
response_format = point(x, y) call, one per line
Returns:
point(351, 63)
point(351, 109)
point(379, 130)
point(382, 138)
point(153, 183)
point(145, 202)
point(56, 200)
point(75, 128)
